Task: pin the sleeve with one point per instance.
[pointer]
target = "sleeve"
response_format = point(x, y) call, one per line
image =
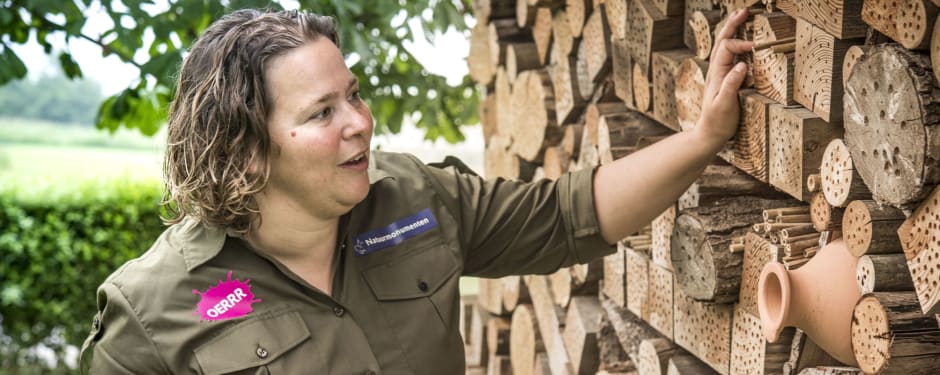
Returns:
point(512, 227)
point(119, 343)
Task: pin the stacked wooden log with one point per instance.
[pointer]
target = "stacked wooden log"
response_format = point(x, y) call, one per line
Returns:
point(838, 137)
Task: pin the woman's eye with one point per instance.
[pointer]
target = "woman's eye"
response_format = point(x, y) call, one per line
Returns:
point(356, 95)
point(322, 114)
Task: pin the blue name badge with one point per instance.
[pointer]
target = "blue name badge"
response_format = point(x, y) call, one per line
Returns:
point(394, 233)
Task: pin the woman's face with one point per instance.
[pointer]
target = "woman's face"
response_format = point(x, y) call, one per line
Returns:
point(321, 130)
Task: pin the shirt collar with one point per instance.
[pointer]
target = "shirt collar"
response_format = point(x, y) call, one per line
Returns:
point(198, 242)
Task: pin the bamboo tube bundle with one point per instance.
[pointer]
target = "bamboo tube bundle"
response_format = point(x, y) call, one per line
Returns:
point(774, 54)
point(750, 352)
point(582, 326)
point(921, 243)
point(824, 216)
point(891, 336)
point(795, 148)
point(690, 89)
point(883, 273)
point(702, 24)
point(871, 228)
point(841, 181)
point(661, 300)
point(891, 124)
point(818, 74)
point(814, 183)
point(654, 355)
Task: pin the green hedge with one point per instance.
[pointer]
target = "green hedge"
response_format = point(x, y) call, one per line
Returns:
point(55, 249)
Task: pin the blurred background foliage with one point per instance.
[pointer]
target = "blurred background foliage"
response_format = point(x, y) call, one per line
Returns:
point(153, 36)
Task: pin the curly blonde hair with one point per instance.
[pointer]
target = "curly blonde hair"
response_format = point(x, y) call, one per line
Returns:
point(217, 144)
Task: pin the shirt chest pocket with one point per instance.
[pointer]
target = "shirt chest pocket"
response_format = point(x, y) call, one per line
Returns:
point(262, 345)
point(418, 285)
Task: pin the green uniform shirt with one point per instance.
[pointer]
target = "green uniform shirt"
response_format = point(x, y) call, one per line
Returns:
point(395, 302)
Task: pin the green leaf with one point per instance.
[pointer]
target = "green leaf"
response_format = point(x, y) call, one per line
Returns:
point(11, 67)
point(69, 66)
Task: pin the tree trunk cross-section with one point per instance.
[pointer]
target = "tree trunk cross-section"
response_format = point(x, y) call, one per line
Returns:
point(892, 113)
point(891, 336)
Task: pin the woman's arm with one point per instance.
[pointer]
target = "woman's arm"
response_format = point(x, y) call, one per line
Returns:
point(632, 191)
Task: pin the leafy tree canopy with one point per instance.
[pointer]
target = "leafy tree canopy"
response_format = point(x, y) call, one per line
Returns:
point(394, 83)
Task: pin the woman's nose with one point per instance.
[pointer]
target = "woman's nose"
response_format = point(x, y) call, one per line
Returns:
point(359, 122)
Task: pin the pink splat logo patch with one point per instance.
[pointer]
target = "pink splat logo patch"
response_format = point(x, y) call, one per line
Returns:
point(229, 299)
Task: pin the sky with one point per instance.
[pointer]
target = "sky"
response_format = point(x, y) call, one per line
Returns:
point(445, 57)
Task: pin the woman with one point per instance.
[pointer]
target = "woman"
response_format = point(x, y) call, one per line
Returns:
point(294, 249)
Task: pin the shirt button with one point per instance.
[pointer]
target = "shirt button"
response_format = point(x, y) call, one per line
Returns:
point(261, 352)
point(339, 311)
point(423, 286)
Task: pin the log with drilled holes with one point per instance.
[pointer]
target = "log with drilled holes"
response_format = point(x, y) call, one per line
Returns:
point(705, 270)
point(819, 58)
point(851, 58)
point(882, 15)
point(891, 117)
point(751, 354)
point(702, 24)
point(830, 370)
point(661, 300)
point(870, 228)
point(618, 132)
point(823, 215)
point(690, 88)
point(614, 285)
point(748, 149)
point(649, 30)
point(596, 39)
point(840, 178)
point(773, 71)
point(883, 273)
point(637, 278)
point(757, 252)
point(914, 21)
point(661, 235)
point(921, 244)
point(689, 36)
point(841, 18)
point(642, 89)
point(797, 140)
point(622, 69)
point(704, 329)
point(630, 329)
point(568, 100)
point(720, 181)
point(666, 66)
point(891, 336)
